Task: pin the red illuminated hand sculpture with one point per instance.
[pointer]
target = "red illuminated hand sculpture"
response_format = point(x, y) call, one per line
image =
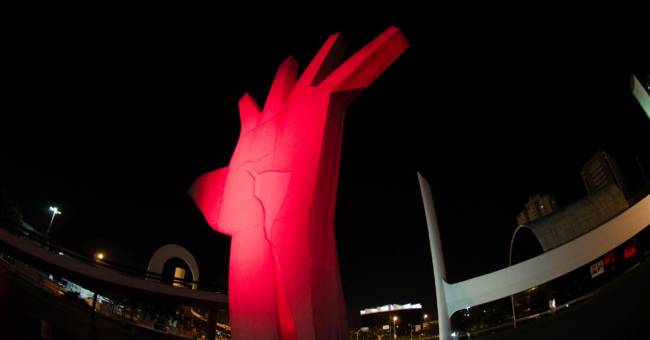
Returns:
point(277, 196)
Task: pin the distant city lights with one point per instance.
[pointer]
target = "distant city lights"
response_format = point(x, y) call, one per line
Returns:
point(393, 307)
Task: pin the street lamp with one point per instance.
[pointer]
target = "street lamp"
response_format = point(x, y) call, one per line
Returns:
point(55, 211)
point(394, 327)
point(424, 321)
point(99, 256)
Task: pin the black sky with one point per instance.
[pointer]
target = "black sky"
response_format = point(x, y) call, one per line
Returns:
point(111, 117)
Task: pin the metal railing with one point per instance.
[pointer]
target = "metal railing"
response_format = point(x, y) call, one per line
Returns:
point(46, 243)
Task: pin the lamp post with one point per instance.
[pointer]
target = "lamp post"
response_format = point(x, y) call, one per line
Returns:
point(394, 327)
point(424, 322)
point(55, 211)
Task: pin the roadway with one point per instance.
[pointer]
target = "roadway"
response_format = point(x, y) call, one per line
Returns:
point(619, 310)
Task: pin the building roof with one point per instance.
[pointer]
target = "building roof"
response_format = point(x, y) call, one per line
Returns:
point(390, 308)
point(578, 218)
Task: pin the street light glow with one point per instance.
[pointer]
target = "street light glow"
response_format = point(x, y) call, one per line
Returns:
point(99, 256)
point(55, 211)
point(394, 318)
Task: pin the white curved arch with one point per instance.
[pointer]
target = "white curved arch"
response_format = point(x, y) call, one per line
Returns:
point(169, 251)
point(512, 241)
point(530, 273)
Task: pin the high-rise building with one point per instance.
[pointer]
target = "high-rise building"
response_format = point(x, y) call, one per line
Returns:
point(600, 171)
point(536, 207)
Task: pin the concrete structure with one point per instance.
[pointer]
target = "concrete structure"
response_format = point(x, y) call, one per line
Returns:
point(536, 207)
point(600, 171)
point(90, 275)
point(618, 311)
point(388, 308)
point(30, 264)
point(574, 220)
point(170, 251)
point(641, 94)
point(531, 273)
point(393, 319)
point(277, 196)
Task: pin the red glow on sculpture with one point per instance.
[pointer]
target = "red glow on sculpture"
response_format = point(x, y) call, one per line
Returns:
point(277, 196)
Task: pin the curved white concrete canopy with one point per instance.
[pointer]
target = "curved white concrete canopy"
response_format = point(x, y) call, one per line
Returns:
point(578, 218)
point(169, 251)
point(533, 272)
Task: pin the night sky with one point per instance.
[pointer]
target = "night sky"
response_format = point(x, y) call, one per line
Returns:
point(112, 118)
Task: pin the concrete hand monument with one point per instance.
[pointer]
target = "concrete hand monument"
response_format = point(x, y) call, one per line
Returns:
point(277, 196)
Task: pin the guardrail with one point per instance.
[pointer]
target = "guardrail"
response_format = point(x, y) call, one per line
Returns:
point(46, 243)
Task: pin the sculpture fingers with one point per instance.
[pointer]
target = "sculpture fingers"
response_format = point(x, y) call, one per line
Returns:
point(367, 64)
point(249, 113)
point(285, 79)
point(325, 61)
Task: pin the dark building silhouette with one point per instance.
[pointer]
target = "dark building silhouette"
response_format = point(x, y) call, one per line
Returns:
point(568, 223)
point(537, 207)
point(600, 171)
